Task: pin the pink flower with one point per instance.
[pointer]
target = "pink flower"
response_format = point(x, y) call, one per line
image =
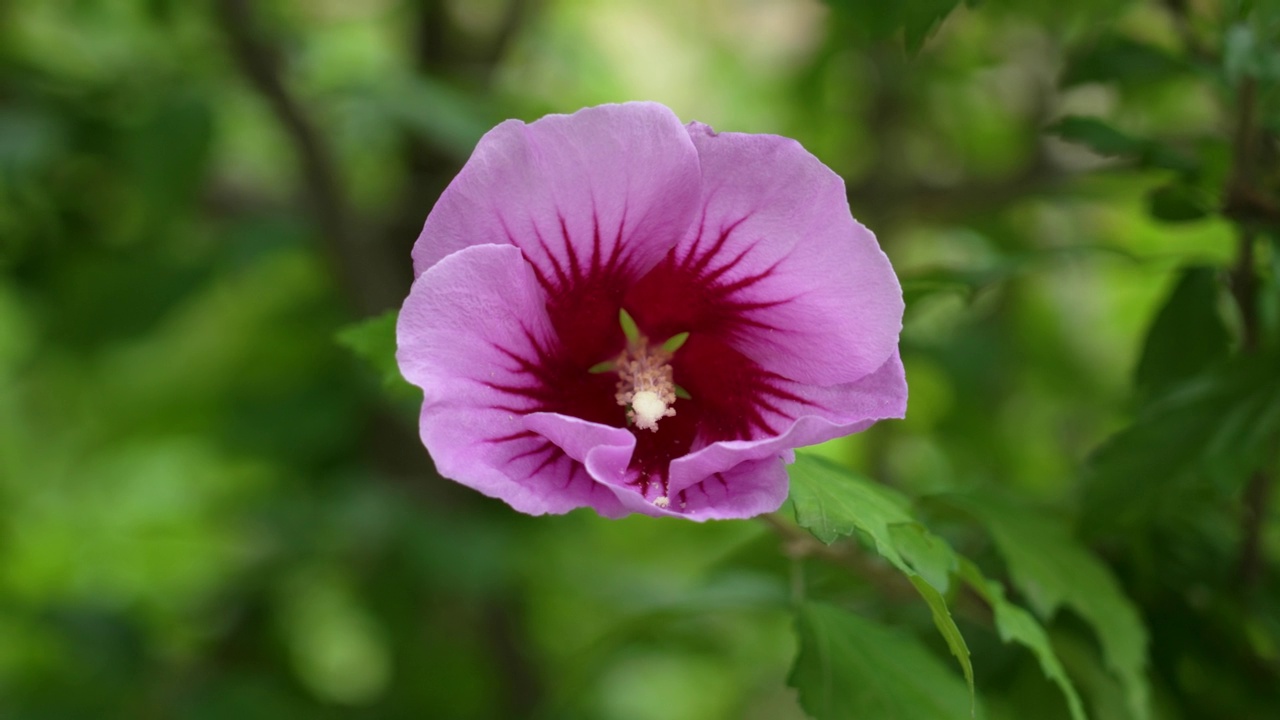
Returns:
point(554, 230)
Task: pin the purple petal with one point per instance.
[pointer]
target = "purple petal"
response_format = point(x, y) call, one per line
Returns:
point(750, 488)
point(609, 184)
point(472, 335)
point(804, 415)
point(604, 451)
point(775, 266)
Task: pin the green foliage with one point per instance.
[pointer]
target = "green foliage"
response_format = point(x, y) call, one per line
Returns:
point(213, 499)
point(914, 19)
point(831, 503)
point(1051, 570)
point(1015, 625)
point(1188, 335)
point(1198, 442)
point(1124, 60)
point(1177, 202)
point(445, 117)
point(851, 667)
point(1104, 139)
point(374, 342)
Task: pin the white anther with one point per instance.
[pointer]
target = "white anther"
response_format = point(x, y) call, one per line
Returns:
point(662, 502)
point(648, 409)
point(645, 385)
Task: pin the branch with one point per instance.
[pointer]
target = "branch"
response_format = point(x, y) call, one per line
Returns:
point(1248, 206)
point(321, 181)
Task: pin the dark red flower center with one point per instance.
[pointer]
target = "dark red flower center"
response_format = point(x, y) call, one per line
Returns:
point(730, 397)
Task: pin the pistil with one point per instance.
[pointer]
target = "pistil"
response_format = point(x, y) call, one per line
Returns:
point(646, 386)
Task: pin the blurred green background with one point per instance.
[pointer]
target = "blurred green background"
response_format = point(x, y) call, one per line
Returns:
point(211, 507)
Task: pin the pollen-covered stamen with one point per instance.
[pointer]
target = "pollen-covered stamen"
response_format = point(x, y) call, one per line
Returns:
point(645, 384)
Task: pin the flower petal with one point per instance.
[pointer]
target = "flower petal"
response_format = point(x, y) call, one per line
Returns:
point(604, 451)
point(750, 488)
point(776, 266)
point(804, 415)
point(472, 334)
point(614, 183)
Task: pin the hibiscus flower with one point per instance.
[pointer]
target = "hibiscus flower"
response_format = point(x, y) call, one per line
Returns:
point(618, 311)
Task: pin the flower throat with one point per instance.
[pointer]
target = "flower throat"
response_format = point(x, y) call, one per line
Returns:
point(646, 386)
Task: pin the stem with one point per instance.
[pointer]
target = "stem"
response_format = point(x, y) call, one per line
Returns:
point(798, 544)
point(1244, 290)
point(1248, 206)
point(1257, 498)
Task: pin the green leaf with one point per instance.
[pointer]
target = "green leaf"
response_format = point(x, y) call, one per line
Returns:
point(1177, 203)
point(876, 21)
point(1121, 59)
point(374, 341)
point(928, 554)
point(1053, 570)
point(1104, 139)
point(1015, 625)
point(1195, 443)
point(171, 155)
point(1096, 135)
point(851, 667)
point(450, 119)
point(830, 502)
point(1187, 336)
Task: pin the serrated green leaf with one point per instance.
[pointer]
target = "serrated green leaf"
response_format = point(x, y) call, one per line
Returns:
point(1053, 570)
point(1187, 336)
point(1015, 625)
point(928, 554)
point(1078, 654)
point(831, 502)
point(374, 341)
point(850, 667)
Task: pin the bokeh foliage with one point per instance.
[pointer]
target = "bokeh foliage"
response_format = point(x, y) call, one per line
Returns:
point(213, 502)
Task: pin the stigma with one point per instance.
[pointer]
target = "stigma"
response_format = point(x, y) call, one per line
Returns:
point(645, 384)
